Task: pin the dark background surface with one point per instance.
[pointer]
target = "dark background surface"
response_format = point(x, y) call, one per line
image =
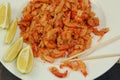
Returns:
point(112, 74)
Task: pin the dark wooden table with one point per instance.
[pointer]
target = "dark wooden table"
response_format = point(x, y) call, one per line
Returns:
point(112, 74)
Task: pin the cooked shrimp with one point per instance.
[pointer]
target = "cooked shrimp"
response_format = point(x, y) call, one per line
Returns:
point(71, 65)
point(83, 31)
point(93, 22)
point(42, 1)
point(60, 6)
point(51, 33)
point(48, 58)
point(44, 54)
point(50, 44)
point(100, 32)
point(57, 53)
point(85, 4)
point(82, 67)
point(67, 21)
point(56, 72)
point(74, 52)
point(35, 50)
point(60, 28)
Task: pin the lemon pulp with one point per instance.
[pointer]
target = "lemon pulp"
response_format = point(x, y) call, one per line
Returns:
point(5, 15)
point(11, 31)
point(13, 50)
point(25, 60)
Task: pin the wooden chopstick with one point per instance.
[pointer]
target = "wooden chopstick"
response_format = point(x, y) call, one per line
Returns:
point(98, 46)
point(97, 57)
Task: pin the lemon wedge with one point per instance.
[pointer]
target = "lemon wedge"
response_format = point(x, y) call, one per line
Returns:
point(30, 62)
point(25, 60)
point(5, 15)
point(13, 50)
point(11, 31)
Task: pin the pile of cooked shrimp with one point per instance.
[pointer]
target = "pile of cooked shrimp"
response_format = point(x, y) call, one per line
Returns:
point(60, 28)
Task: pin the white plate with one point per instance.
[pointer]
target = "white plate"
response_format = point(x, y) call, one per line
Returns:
point(109, 14)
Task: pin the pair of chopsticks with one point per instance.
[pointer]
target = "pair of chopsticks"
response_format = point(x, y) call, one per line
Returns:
point(90, 50)
point(97, 57)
